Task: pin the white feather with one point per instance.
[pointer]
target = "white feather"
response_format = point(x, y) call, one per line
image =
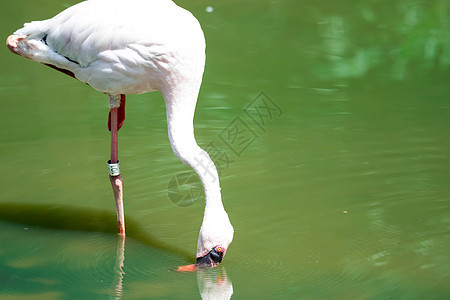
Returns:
point(117, 46)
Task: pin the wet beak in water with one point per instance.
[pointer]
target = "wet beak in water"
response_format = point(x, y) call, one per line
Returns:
point(210, 260)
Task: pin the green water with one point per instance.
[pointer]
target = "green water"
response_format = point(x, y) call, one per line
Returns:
point(340, 189)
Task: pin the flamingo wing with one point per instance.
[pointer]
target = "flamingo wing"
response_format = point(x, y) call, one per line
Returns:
point(115, 46)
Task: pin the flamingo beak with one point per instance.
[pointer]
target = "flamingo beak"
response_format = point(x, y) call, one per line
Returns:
point(210, 260)
point(213, 258)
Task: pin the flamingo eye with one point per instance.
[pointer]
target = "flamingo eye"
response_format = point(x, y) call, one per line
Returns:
point(219, 249)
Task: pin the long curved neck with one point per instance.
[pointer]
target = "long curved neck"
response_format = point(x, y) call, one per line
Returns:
point(180, 110)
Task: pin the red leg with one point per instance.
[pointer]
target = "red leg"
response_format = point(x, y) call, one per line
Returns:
point(117, 185)
point(114, 171)
point(114, 135)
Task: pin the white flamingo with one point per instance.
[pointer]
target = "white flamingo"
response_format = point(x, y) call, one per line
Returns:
point(123, 47)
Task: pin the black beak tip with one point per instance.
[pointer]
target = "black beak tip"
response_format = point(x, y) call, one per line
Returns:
point(213, 258)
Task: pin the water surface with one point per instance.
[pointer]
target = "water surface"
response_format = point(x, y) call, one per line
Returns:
point(340, 192)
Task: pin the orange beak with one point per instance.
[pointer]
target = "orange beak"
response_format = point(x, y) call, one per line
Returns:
point(188, 268)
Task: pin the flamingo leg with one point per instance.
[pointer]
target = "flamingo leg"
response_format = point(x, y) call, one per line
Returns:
point(113, 165)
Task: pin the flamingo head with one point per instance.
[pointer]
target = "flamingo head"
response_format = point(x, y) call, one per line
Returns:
point(214, 239)
point(212, 259)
